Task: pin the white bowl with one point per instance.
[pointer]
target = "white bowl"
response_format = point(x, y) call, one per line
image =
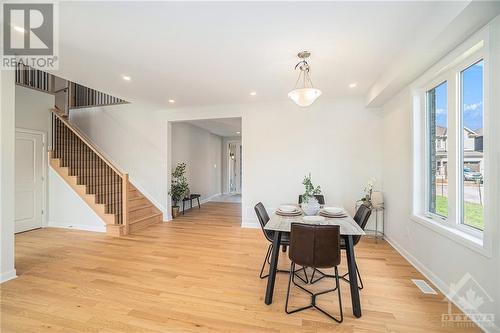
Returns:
point(288, 208)
point(333, 210)
point(313, 218)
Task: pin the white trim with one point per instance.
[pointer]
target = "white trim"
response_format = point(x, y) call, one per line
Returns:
point(433, 278)
point(44, 222)
point(201, 202)
point(250, 223)
point(4, 277)
point(455, 234)
point(82, 227)
point(469, 52)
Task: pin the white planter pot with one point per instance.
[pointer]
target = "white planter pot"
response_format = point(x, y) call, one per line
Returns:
point(311, 207)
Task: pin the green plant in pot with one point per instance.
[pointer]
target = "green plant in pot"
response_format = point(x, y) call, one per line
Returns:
point(310, 204)
point(179, 187)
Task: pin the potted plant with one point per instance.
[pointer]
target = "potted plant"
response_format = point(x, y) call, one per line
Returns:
point(179, 187)
point(310, 204)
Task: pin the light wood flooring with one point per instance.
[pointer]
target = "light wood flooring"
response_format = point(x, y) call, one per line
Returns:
point(198, 273)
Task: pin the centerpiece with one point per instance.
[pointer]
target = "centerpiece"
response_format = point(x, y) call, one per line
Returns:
point(310, 204)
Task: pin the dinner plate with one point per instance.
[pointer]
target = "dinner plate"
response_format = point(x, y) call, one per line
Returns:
point(288, 208)
point(332, 216)
point(296, 213)
point(313, 218)
point(333, 210)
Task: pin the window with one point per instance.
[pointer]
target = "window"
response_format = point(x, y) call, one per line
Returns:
point(437, 109)
point(454, 154)
point(472, 155)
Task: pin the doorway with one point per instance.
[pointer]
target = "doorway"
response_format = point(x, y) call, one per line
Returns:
point(29, 180)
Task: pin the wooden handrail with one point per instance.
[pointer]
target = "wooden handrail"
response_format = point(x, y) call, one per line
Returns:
point(87, 141)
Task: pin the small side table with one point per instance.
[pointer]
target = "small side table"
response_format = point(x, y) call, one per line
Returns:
point(376, 233)
point(190, 199)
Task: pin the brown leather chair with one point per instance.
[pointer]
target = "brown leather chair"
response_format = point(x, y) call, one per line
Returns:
point(263, 218)
point(315, 246)
point(361, 217)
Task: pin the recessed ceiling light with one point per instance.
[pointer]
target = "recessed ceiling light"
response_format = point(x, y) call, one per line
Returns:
point(171, 101)
point(253, 93)
point(238, 133)
point(126, 77)
point(353, 85)
point(19, 29)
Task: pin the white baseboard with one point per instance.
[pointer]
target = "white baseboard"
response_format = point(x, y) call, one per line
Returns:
point(202, 201)
point(4, 277)
point(78, 227)
point(250, 223)
point(435, 280)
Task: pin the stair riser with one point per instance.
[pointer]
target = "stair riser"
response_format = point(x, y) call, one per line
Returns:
point(144, 224)
point(140, 213)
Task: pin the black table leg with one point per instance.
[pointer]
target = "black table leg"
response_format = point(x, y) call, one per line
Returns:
point(353, 278)
point(273, 268)
point(191, 203)
point(198, 199)
point(183, 207)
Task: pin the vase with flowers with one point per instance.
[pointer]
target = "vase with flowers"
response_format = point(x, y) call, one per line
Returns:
point(368, 190)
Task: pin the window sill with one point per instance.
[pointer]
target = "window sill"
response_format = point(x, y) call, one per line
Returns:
point(455, 234)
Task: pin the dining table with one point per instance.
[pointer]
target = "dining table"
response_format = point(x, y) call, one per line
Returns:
point(280, 225)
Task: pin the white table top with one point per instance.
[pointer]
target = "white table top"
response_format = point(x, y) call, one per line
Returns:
point(283, 223)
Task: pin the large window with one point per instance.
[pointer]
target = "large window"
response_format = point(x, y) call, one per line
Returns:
point(472, 154)
point(454, 154)
point(437, 106)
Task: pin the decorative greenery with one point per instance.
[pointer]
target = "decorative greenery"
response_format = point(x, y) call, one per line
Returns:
point(179, 186)
point(310, 190)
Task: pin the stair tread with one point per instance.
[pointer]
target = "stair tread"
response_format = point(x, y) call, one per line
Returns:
point(148, 205)
point(145, 218)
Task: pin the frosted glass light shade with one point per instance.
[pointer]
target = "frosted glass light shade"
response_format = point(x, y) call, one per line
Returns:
point(304, 96)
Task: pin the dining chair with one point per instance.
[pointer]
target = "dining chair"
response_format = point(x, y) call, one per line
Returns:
point(315, 246)
point(263, 218)
point(361, 217)
point(319, 197)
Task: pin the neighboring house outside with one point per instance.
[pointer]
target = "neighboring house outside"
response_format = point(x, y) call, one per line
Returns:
point(473, 150)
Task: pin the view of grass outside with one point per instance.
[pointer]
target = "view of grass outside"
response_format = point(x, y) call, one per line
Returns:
point(473, 211)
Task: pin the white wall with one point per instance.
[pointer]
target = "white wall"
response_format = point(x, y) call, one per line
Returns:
point(134, 139)
point(65, 208)
point(32, 109)
point(442, 259)
point(68, 210)
point(7, 190)
point(338, 141)
point(201, 151)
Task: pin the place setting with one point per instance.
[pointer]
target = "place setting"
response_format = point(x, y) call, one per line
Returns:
point(289, 210)
point(332, 212)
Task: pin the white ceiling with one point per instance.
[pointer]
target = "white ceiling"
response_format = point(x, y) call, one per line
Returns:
point(226, 127)
point(214, 53)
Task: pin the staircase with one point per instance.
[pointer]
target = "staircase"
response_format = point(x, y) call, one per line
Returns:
point(103, 186)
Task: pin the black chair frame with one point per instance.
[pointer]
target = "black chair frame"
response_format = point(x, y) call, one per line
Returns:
point(314, 296)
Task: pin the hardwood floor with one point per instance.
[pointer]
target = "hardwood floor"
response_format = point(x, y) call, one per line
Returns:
point(198, 273)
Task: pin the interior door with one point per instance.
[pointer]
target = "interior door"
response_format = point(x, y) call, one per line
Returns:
point(28, 181)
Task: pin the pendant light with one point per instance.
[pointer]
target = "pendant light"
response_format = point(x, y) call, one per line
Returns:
point(304, 93)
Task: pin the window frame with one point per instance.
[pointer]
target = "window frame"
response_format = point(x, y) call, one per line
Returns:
point(467, 63)
point(427, 143)
point(449, 69)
